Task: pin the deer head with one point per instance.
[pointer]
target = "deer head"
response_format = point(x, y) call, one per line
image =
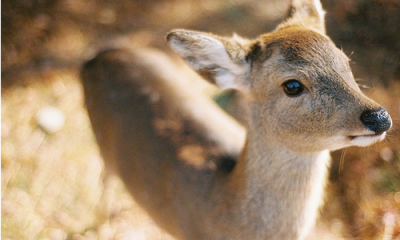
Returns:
point(299, 86)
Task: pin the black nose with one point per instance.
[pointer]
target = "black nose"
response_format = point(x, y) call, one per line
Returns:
point(377, 121)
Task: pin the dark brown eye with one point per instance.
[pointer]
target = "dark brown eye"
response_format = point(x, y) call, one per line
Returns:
point(292, 88)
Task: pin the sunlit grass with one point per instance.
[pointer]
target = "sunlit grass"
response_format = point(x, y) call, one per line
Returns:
point(52, 183)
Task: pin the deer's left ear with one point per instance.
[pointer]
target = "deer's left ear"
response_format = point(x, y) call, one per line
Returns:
point(220, 60)
point(307, 13)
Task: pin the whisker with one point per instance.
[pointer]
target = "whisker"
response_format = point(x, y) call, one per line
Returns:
point(394, 130)
point(363, 86)
point(377, 147)
point(341, 161)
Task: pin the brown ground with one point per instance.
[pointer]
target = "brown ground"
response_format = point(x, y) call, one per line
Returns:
point(52, 185)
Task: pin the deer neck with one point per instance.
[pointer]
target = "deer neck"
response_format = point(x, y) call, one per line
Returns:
point(282, 188)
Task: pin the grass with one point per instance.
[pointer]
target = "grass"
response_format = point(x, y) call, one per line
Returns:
point(52, 183)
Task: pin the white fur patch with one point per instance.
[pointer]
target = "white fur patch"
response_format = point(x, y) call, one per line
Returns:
point(366, 140)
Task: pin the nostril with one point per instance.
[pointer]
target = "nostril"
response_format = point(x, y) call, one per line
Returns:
point(377, 121)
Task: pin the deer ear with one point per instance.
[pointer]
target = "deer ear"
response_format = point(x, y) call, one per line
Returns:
point(307, 13)
point(220, 60)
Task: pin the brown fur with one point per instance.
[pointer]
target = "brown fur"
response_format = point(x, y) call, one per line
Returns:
point(186, 161)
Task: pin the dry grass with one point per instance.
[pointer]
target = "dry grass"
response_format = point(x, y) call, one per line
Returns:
point(52, 185)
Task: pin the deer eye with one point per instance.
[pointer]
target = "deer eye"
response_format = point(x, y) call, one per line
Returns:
point(292, 87)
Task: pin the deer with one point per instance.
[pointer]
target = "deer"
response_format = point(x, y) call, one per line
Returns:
point(197, 171)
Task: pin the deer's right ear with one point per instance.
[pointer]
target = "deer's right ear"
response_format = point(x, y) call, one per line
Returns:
point(220, 60)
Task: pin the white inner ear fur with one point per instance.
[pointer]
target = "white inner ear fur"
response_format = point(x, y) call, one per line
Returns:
point(206, 52)
point(308, 13)
point(320, 10)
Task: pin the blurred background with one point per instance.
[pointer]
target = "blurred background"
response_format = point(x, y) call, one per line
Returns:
point(52, 174)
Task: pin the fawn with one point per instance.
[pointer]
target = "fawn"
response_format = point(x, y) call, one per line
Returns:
point(198, 172)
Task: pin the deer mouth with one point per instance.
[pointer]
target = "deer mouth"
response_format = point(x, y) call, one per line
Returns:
point(366, 139)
